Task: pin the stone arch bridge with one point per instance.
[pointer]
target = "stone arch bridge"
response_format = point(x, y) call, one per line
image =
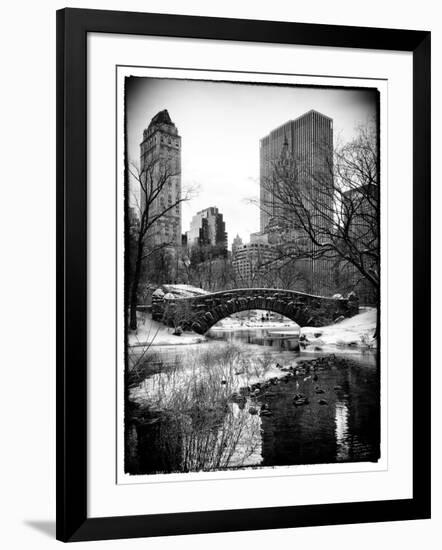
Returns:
point(200, 312)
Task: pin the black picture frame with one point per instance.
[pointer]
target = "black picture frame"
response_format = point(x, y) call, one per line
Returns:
point(73, 25)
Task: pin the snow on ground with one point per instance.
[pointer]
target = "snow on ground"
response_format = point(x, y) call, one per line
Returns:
point(151, 332)
point(163, 387)
point(355, 331)
point(231, 373)
point(184, 291)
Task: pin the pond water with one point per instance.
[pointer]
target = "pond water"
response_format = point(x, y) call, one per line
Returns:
point(209, 406)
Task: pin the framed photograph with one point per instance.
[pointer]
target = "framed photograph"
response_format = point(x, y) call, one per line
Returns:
point(243, 275)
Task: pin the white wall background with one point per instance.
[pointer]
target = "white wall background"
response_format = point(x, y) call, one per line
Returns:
point(27, 287)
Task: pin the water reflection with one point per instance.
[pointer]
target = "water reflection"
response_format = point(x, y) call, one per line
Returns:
point(263, 337)
point(341, 430)
point(196, 441)
point(208, 408)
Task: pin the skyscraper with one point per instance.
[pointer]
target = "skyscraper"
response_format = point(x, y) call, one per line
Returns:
point(307, 141)
point(305, 145)
point(207, 228)
point(160, 162)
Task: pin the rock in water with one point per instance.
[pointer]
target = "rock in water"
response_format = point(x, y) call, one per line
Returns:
point(298, 401)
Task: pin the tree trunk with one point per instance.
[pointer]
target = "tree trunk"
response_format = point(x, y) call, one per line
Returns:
point(134, 289)
point(378, 317)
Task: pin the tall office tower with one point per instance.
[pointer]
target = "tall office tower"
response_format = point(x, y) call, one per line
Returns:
point(208, 228)
point(304, 147)
point(306, 141)
point(160, 154)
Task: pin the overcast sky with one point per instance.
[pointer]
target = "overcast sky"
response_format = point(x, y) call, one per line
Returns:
point(220, 125)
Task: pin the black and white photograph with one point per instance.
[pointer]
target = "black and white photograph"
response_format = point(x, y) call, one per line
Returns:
point(220, 328)
point(252, 276)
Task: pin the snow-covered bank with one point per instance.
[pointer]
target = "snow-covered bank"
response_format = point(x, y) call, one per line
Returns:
point(221, 370)
point(151, 332)
point(356, 331)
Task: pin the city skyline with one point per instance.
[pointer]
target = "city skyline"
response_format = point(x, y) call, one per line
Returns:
point(205, 113)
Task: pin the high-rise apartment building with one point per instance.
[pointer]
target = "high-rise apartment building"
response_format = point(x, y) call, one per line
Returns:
point(160, 162)
point(207, 228)
point(259, 237)
point(250, 262)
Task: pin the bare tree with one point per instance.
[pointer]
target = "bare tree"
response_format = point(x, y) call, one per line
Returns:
point(327, 208)
point(153, 181)
point(179, 314)
point(284, 273)
point(208, 267)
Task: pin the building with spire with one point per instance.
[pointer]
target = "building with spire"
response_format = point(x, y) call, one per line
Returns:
point(300, 146)
point(160, 153)
point(306, 141)
point(237, 242)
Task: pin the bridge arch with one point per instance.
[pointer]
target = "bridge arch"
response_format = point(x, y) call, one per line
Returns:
point(203, 311)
